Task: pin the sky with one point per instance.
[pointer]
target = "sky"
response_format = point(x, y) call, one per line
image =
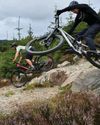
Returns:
point(38, 13)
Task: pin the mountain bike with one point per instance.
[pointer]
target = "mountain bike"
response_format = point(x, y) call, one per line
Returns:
point(21, 74)
point(56, 38)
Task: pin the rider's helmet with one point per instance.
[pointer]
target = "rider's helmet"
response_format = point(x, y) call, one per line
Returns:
point(13, 45)
point(73, 3)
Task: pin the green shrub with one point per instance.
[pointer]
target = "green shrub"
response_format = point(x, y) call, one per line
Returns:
point(7, 55)
point(66, 109)
point(9, 93)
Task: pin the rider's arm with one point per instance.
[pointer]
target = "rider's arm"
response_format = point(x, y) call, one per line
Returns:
point(16, 55)
point(79, 6)
point(77, 21)
point(20, 58)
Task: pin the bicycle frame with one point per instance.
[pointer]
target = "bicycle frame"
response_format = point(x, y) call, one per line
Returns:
point(21, 67)
point(38, 65)
point(68, 38)
point(58, 36)
point(26, 68)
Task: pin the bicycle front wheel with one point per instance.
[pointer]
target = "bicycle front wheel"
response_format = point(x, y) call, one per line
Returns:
point(18, 79)
point(44, 46)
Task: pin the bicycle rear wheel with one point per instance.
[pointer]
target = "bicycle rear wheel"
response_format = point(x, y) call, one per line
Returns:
point(45, 62)
point(44, 46)
point(94, 57)
point(18, 79)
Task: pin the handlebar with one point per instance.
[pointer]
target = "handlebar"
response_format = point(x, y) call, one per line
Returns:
point(56, 21)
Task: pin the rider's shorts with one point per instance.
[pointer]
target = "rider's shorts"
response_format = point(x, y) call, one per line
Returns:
point(29, 55)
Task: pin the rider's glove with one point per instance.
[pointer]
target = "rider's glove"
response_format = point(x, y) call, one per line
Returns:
point(58, 12)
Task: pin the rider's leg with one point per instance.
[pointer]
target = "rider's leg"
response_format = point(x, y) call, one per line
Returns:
point(28, 59)
point(90, 35)
point(90, 42)
point(29, 62)
point(80, 34)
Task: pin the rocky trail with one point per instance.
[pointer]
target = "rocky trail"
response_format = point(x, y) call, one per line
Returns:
point(81, 76)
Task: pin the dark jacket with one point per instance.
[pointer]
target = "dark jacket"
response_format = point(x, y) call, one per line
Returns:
point(86, 14)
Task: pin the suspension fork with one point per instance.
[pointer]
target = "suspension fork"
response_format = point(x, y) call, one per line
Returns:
point(50, 37)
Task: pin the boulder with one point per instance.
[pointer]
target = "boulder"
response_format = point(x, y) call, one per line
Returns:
point(82, 77)
point(65, 63)
point(56, 77)
point(87, 81)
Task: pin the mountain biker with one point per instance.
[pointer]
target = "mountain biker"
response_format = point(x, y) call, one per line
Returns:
point(21, 52)
point(84, 13)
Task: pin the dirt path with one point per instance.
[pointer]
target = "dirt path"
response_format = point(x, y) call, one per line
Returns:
point(12, 98)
